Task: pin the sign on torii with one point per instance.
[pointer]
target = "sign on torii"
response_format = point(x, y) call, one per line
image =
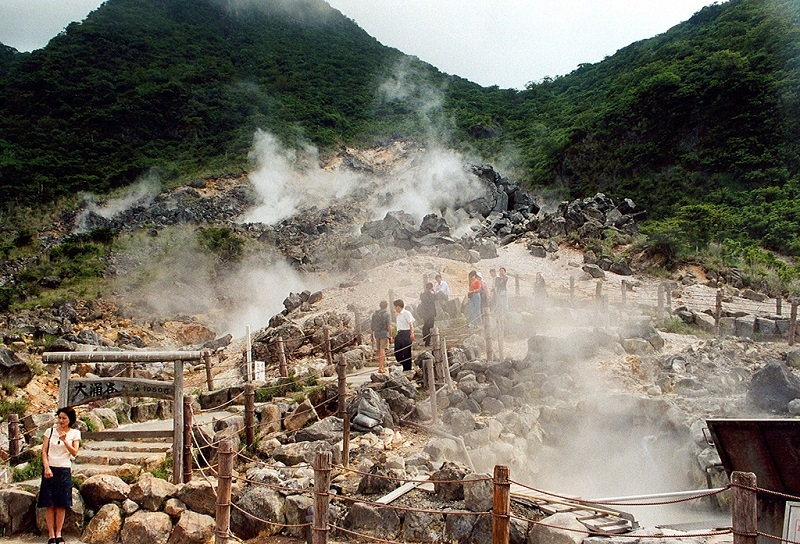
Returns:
point(77, 391)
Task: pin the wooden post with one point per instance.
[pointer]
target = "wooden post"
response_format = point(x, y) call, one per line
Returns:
point(129, 374)
point(177, 435)
point(249, 413)
point(718, 315)
point(187, 439)
point(598, 292)
point(501, 518)
point(328, 354)
point(516, 285)
point(63, 385)
point(792, 322)
point(322, 482)
point(624, 292)
point(13, 436)
point(249, 357)
point(209, 376)
point(668, 296)
point(392, 313)
point(432, 391)
point(436, 349)
point(225, 470)
point(778, 304)
point(341, 372)
point(660, 308)
point(446, 364)
point(282, 358)
point(501, 332)
point(487, 334)
point(744, 508)
point(359, 337)
point(572, 289)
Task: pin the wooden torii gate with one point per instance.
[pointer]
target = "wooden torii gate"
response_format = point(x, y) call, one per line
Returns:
point(77, 391)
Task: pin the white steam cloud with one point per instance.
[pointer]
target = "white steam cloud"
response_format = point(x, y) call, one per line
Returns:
point(140, 193)
point(175, 278)
point(288, 180)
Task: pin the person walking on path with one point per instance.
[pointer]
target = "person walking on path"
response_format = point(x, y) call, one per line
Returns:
point(405, 334)
point(381, 325)
point(427, 312)
point(55, 491)
point(474, 299)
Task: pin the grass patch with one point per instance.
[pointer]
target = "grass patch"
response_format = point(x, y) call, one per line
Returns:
point(8, 407)
point(31, 470)
point(164, 470)
point(266, 394)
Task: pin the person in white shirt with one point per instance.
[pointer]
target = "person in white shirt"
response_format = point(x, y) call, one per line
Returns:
point(405, 334)
point(441, 289)
point(55, 492)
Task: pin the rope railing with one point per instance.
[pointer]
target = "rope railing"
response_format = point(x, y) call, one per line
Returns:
point(500, 516)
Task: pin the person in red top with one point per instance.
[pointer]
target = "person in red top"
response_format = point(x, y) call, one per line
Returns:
point(474, 297)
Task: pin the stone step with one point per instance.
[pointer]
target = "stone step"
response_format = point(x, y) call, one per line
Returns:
point(106, 457)
point(90, 469)
point(115, 445)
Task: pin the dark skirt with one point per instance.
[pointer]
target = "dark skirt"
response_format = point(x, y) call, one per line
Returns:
point(56, 491)
point(402, 348)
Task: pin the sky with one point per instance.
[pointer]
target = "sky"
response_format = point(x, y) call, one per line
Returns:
point(508, 43)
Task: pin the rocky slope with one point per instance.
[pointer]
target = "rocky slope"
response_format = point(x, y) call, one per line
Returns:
point(578, 379)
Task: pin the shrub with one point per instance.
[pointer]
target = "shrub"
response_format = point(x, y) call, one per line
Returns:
point(32, 470)
point(8, 407)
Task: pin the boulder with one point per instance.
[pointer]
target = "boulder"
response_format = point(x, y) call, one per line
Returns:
point(104, 488)
point(561, 528)
point(16, 511)
point(258, 510)
point(13, 369)
point(377, 521)
point(300, 417)
point(150, 492)
point(105, 525)
point(193, 528)
point(774, 387)
point(199, 495)
point(145, 527)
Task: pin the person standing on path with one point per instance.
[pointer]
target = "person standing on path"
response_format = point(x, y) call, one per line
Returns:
point(427, 312)
point(441, 289)
point(55, 491)
point(405, 334)
point(381, 325)
point(474, 299)
point(485, 300)
point(500, 288)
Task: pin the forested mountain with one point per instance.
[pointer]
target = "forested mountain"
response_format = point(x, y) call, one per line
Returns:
point(701, 124)
point(179, 84)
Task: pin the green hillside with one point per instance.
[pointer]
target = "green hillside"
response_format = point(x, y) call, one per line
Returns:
point(182, 85)
point(700, 124)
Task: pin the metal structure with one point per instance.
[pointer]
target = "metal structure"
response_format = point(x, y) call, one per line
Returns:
point(770, 449)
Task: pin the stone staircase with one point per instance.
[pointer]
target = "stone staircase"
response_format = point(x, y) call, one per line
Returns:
point(106, 456)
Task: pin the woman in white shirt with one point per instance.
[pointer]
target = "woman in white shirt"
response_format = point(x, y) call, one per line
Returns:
point(55, 492)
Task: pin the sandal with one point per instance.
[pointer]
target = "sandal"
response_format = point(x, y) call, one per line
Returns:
point(59, 540)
